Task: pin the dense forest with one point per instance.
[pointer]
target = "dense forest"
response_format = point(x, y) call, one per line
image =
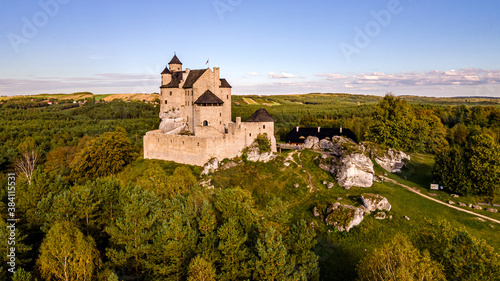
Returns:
point(89, 207)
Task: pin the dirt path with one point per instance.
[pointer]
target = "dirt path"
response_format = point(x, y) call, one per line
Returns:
point(310, 177)
point(414, 190)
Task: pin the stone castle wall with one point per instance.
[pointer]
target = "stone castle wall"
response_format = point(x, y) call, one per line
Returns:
point(207, 144)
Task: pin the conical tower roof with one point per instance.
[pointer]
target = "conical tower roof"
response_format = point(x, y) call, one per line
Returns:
point(175, 60)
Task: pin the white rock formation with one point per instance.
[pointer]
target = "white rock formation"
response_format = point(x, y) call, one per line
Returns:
point(344, 217)
point(356, 170)
point(328, 167)
point(255, 155)
point(311, 142)
point(210, 166)
point(374, 202)
point(325, 144)
point(393, 161)
point(172, 122)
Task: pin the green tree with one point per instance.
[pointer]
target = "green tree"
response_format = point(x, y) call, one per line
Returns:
point(483, 156)
point(207, 224)
point(399, 260)
point(175, 246)
point(201, 270)
point(58, 161)
point(66, 254)
point(271, 261)
point(458, 134)
point(393, 124)
point(102, 156)
point(21, 275)
point(451, 170)
point(263, 143)
point(132, 233)
point(470, 259)
point(300, 242)
point(234, 254)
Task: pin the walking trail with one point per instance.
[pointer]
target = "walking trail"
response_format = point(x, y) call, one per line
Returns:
point(414, 190)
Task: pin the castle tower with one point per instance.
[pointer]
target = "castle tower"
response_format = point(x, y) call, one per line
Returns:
point(172, 78)
point(175, 64)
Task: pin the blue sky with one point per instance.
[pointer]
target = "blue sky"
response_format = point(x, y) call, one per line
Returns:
point(408, 47)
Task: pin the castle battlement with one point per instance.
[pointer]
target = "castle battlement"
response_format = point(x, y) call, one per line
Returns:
point(196, 119)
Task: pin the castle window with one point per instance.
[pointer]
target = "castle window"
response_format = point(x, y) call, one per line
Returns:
point(165, 101)
point(170, 92)
point(220, 122)
point(263, 126)
point(227, 96)
point(205, 123)
point(220, 114)
point(198, 144)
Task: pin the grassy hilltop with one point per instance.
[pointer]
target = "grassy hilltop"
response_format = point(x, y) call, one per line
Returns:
point(186, 227)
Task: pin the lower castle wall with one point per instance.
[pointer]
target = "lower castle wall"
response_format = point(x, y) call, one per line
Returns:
point(198, 150)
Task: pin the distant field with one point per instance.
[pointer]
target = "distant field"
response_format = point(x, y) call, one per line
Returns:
point(127, 97)
point(84, 95)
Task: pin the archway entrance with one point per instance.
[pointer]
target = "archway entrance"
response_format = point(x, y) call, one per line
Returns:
point(205, 123)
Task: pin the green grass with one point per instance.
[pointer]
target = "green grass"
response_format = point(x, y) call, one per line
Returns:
point(340, 252)
point(100, 97)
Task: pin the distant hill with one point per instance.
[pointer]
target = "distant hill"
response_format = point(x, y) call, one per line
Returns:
point(84, 95)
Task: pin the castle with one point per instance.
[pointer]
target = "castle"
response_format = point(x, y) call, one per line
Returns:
point(196, 121)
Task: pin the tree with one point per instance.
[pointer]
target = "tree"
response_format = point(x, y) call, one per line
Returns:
point(132, 233)
point(26, 164)
point(235, 255)
point(470, 259)
point(59, 160)
point(393, 124)
point(66, 254)
point(483, 156)
point(399, 260)
point(207, 224)
point(451, 170)
point(102, 156)
point(272, 261)
point(458, 134)
point(201, 270)
point(175, 246)
point(263, 143)
point(300, 242)
point(21, 275)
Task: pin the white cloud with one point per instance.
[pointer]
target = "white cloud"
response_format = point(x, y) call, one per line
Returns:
point(283, 74)
point(253, 73)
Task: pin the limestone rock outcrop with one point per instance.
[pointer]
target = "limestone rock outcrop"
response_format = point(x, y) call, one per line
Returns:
point(355, 170)
point(172, 122)
point(393, 161)
point(254, 155)
point(343, 217)
point(311, 142)
point(325, 144)
point(374, 202)
point(210, 166)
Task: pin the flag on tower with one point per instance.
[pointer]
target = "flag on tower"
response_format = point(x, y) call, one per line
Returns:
point(207, 61)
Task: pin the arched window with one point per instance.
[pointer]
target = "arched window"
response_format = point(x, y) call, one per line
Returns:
point(205, 123)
